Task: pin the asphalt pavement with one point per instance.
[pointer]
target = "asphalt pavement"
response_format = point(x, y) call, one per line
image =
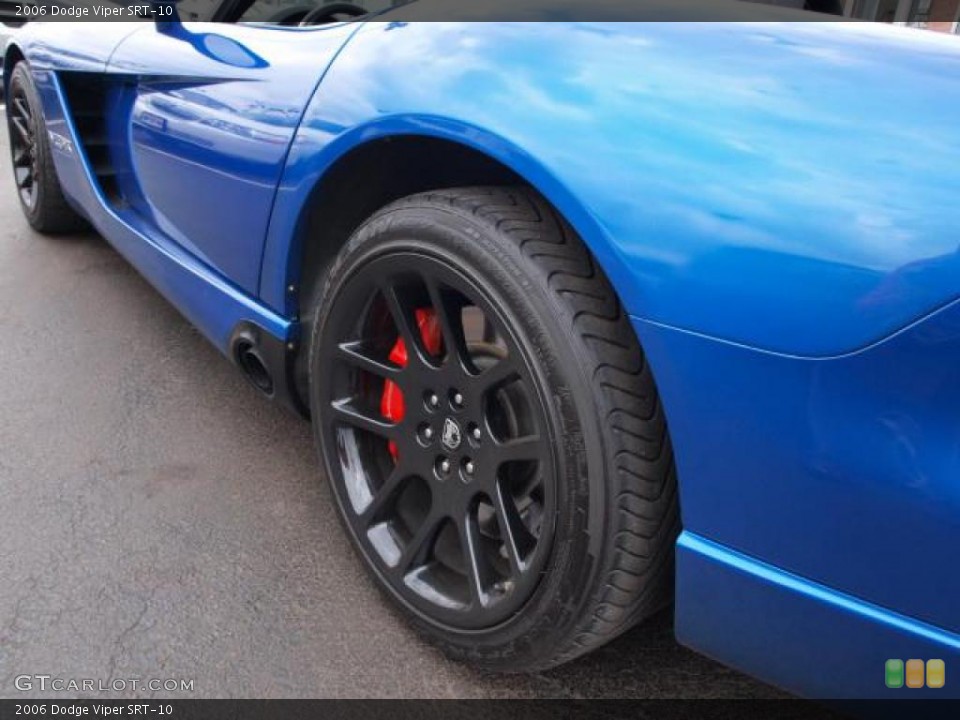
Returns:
point(160, 519)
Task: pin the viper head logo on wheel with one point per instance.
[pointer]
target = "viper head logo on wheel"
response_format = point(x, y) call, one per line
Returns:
point(451, 434)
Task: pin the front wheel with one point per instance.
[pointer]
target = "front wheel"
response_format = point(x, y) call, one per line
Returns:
point(491, 430)
point(38, 187)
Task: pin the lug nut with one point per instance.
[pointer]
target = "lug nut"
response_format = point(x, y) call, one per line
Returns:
point(433, 401)
point(444, 466)
point(468, 467)
point(457, 400)
point(427, 433)
point(475, 433)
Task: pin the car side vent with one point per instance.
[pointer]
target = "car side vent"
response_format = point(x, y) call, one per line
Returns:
point(87, 97)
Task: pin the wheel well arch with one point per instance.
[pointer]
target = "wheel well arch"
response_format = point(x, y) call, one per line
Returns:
point(387, 167)
point(371, 176)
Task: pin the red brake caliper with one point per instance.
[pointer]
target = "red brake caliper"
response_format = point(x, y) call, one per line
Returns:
point(391, 402)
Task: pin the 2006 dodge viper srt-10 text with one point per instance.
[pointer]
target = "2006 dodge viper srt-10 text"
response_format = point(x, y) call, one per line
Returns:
point(586, 316)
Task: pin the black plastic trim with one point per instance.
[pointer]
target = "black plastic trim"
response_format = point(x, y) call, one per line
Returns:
point(277, 358)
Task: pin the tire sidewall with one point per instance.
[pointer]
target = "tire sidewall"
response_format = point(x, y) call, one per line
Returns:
point(542, 323)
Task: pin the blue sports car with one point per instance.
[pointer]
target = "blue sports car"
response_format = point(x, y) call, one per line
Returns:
point(587, 317)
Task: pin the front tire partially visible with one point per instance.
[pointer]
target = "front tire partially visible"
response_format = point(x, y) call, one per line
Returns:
point(34, 174)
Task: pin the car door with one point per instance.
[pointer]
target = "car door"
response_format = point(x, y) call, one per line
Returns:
point(207, 115)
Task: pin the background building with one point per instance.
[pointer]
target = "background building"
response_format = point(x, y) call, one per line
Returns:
point(942, 15)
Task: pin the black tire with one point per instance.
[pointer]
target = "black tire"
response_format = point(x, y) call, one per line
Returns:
point(35, 176)
point(610, 560)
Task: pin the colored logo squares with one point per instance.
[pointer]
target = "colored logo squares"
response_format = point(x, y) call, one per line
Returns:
point(894, 673)
point(936, 673)
point(915, 673)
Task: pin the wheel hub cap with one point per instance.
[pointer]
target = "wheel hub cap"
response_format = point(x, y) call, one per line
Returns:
point(451, 434)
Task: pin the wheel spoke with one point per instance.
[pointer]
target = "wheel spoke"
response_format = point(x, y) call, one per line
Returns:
point(23, 108)
point(381, 498)
point(353, 354)
point(474, 565)
point(403, 318)
point(451, 325)
point(503, 372)
point(20, 125)
point(415, 552)
point(345, 413)
point(517, 540)
point(519, 449)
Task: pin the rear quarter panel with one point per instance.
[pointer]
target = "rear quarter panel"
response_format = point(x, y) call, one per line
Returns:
point(786, 186)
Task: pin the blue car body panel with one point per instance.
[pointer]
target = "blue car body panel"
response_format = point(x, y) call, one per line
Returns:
point(217, 122)
point(774, 204)
point(756, 197)
point(797, 634)
point(840, 473)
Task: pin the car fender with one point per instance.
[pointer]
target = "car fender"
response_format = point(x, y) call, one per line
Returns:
point(754, 183)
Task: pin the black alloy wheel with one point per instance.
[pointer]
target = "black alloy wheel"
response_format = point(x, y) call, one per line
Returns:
point(452, 498)
point(491, 430)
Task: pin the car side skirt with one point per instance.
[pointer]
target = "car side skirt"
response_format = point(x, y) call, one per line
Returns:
point(797, 634)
